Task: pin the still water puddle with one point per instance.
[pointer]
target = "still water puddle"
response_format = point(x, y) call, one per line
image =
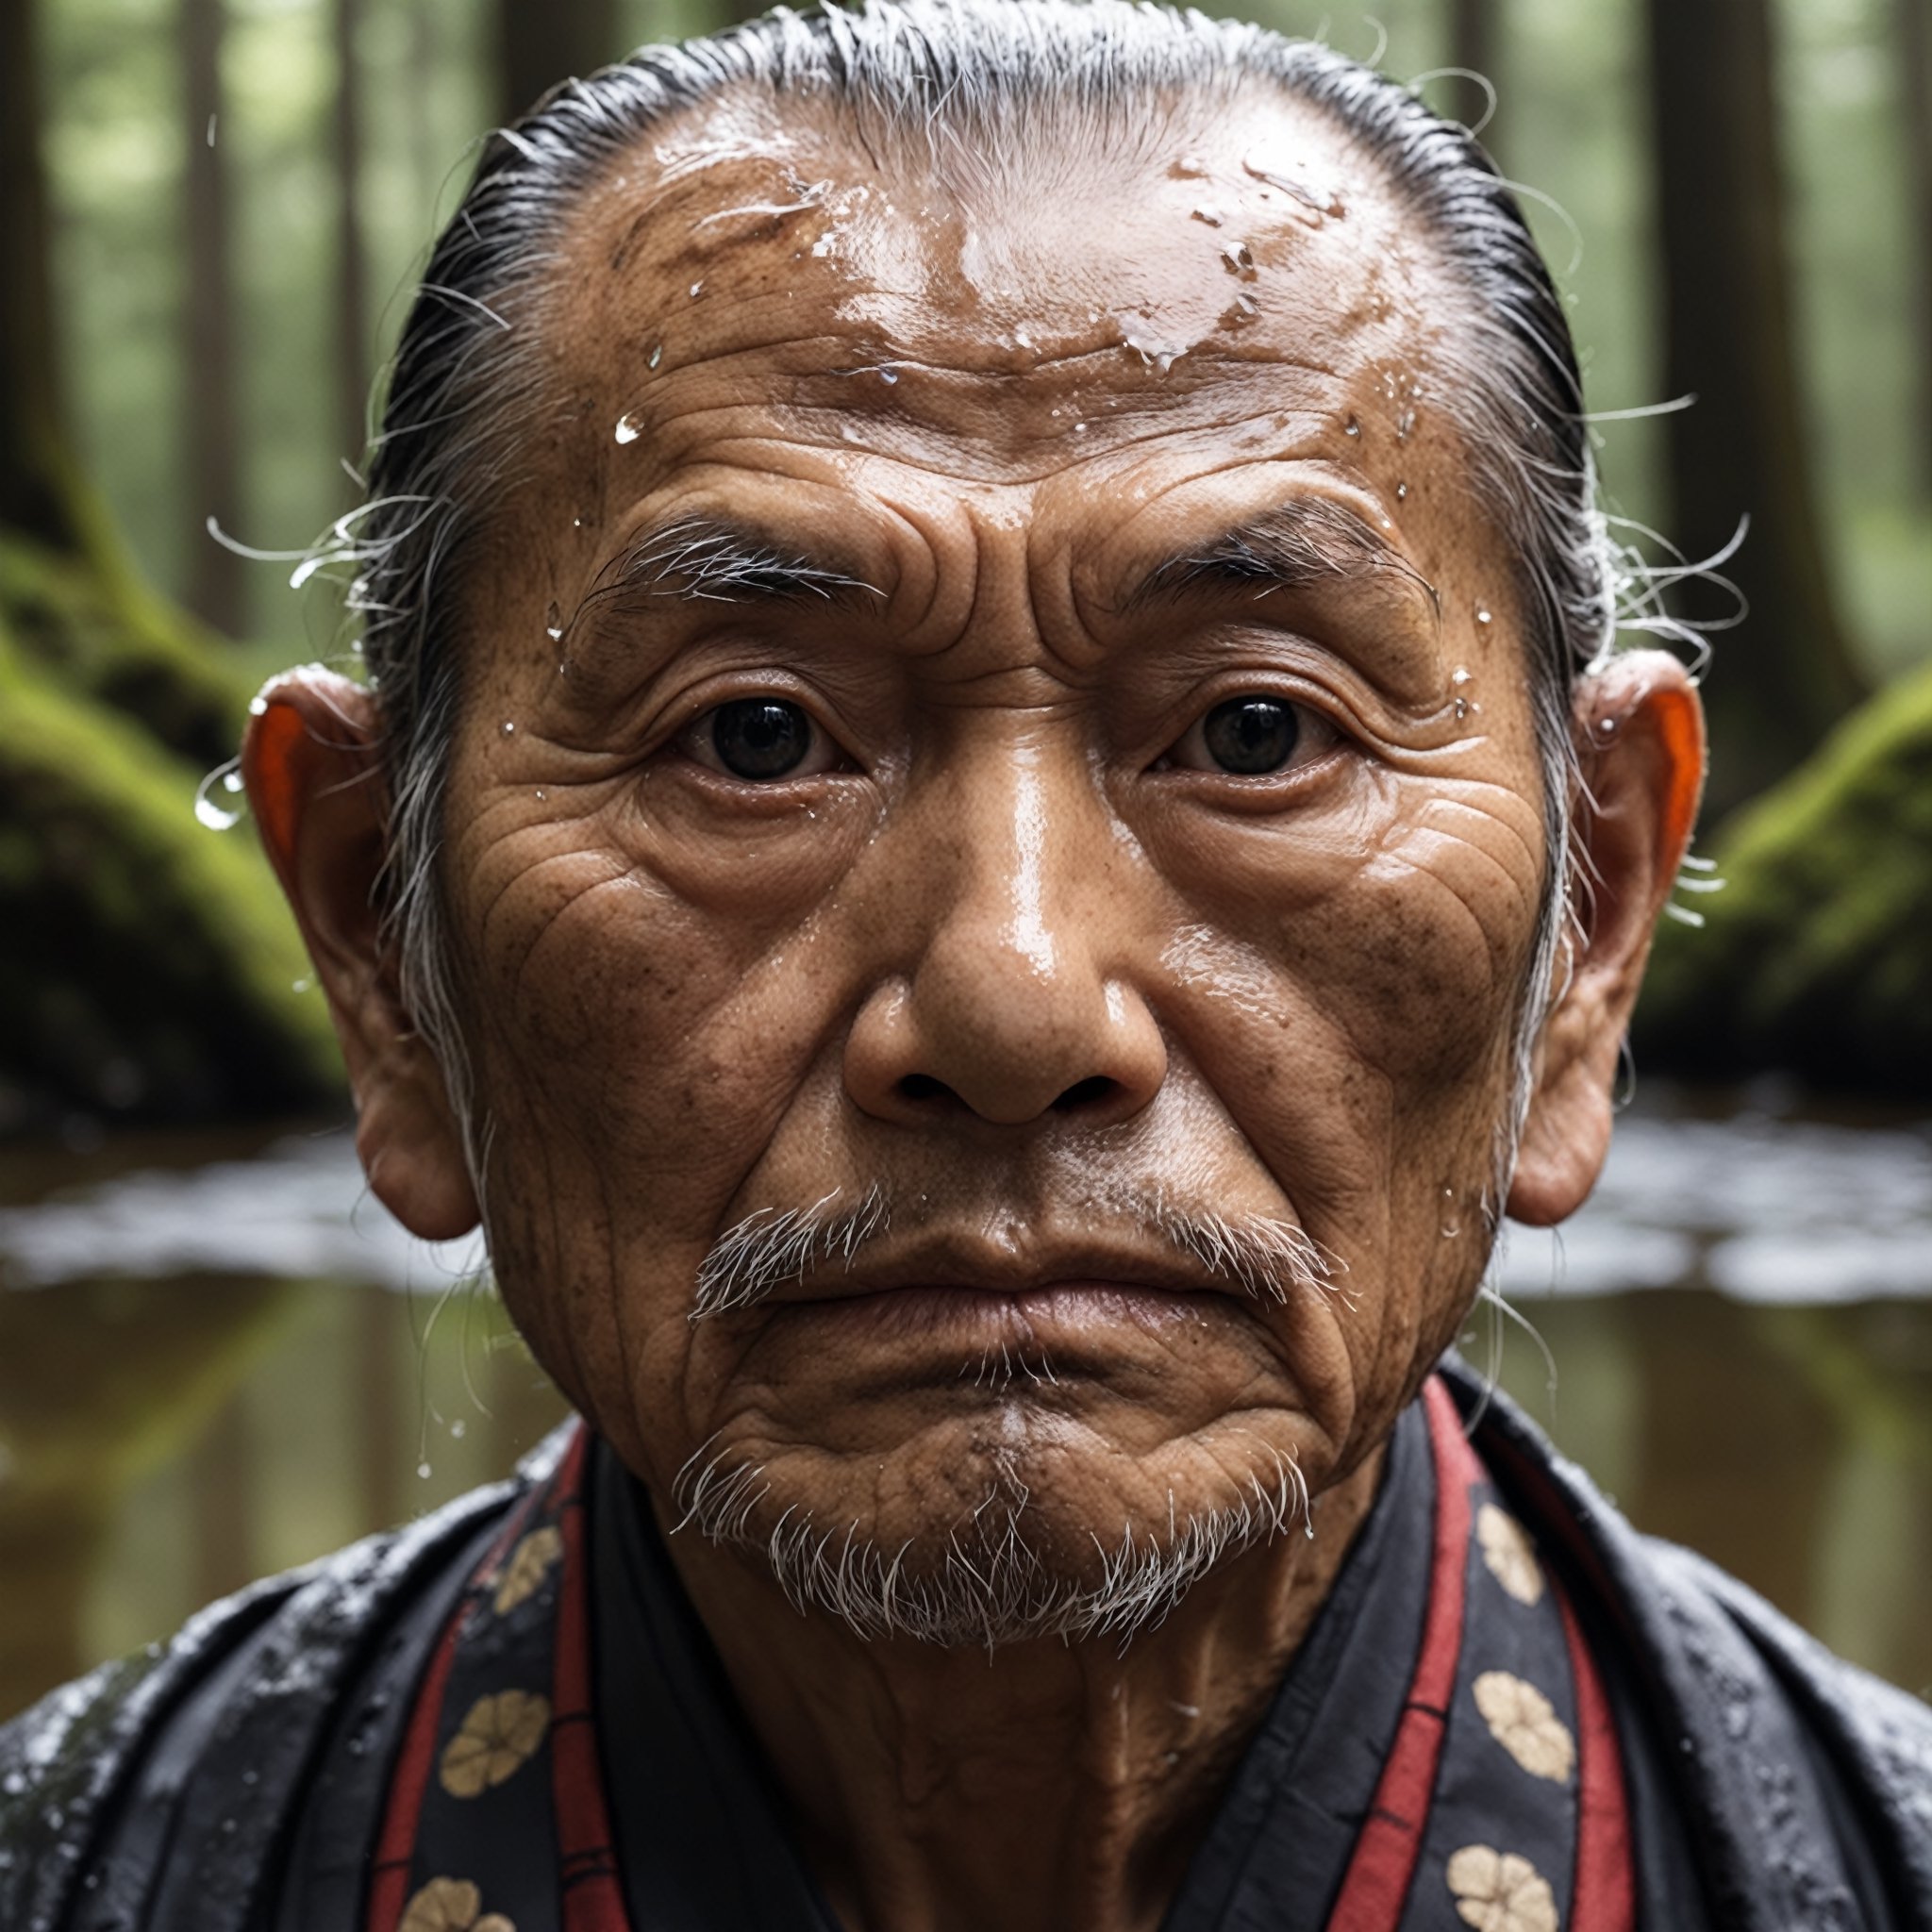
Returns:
point(219, 1359)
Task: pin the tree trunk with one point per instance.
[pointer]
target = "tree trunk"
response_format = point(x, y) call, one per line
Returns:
point(539, 44)
point(1783, 677)
point(157, 980)
point(426, 164)
point(211, 438)
point(1912, 46)
point(1474, 44)
point(34, 480)
point(352, 274)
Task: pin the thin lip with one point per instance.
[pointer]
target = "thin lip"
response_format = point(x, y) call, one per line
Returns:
point(966, 1263)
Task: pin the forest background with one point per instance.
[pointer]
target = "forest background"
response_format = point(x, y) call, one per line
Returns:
point(211, 214)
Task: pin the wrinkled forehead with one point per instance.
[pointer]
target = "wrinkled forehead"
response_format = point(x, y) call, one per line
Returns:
point(961, 284)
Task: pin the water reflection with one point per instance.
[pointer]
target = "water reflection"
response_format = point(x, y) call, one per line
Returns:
point(219, 1359)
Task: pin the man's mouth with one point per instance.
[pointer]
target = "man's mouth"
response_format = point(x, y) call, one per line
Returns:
point(1040, 1314)
point(1141, 1269)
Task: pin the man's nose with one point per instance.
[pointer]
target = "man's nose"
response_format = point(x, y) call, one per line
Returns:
point(1015, 999)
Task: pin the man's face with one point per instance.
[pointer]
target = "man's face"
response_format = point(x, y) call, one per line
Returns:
point(943, 765)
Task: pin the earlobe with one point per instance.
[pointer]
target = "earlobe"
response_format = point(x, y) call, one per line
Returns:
point(316, 789)
point(1640, 753)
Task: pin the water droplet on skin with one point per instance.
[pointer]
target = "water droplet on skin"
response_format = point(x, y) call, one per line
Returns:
point(209, 811)
point(1238, 259)
point(1403, 423)
point(1158, 356)
point(888, 375)
point(697, 289)
point(1207, 212)
point(507, 729)
point(541, 795)
point(1079, 430)
point(258, 708)
point(626, 430)
point(1351, 427)
point(1460, 674)
point(1482, 616)
point(553, 623)
point(1292, 178)
point(1452, 1224)
point(576, 522)
point(656, 356)
point(1402, 492)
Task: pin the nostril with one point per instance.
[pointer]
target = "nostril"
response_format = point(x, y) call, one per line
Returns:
point(922, 1087)
point(1085, 1094)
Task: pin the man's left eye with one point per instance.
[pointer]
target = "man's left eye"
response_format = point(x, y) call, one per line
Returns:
point(1252, 736)
point(761, 739)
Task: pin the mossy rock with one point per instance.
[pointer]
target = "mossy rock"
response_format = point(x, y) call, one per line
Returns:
point(150, 965)
point(102, 634)
point(1816, 958)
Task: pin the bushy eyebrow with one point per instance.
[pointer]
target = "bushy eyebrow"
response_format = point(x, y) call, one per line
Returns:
point(706, 557)
point(1308, 541)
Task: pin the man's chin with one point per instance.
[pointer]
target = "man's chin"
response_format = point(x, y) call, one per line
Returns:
point(1027, 1560)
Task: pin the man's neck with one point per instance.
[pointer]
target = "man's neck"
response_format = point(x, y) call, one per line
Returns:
point(1047, 1783)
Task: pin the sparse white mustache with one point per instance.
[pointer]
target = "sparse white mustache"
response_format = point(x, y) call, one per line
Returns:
point(772, 1247)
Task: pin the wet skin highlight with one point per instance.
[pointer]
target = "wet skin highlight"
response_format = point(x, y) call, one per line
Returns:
point(1006, 493)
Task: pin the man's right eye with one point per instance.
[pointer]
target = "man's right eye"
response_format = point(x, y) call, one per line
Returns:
point(759, 739)
point(1254, 736)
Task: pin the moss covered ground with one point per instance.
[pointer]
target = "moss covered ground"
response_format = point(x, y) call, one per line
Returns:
point(149, 967)
point(1816, 957)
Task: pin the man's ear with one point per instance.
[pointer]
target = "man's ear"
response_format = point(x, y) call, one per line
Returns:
point(1640, 732)
point(316, 789)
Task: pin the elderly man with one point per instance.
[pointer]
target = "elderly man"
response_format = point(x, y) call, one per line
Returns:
point(994, 823)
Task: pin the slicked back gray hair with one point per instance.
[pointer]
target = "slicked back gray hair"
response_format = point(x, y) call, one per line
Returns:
point(962, 78)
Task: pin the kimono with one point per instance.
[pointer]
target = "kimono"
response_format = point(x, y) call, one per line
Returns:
point(1512, 1712)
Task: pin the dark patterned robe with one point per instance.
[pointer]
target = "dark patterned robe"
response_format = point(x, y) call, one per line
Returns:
point(1512, 1712)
